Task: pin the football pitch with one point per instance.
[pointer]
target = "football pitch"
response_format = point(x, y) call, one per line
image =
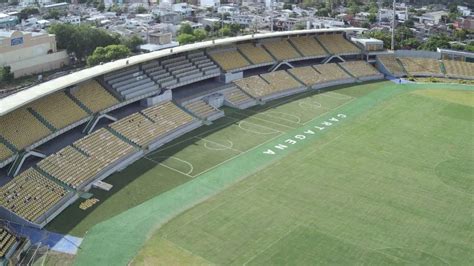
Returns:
point(376, 173)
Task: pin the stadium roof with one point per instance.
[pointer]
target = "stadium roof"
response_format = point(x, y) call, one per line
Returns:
point(29, 95)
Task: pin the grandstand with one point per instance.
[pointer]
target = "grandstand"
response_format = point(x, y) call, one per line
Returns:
point(203, 110)
point(31, 195)
point(93, 96)
point(5, 152)
point(7, 242)
point(390, 62)
point(23, 129)
point(255, 86)
point(58, 110)
point(235, 97)
point(459, 69)
point(229, 59)
point(421, 66)
point(331, 72)
point(70, 166)
point(130, 83)
point(308, 46)
point(281, 50)
point(105, 147)
point(361, 70)
point(337, 44)
point(307, 75)
point(281, 80)
point(255, 54)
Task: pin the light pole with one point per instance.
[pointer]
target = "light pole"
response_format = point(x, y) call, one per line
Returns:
point(393, 28)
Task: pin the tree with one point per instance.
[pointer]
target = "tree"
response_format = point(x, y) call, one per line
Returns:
point(410, 43)
point(225, 31)
point(55, 14)
point(322, 12)
point(26, 12)
point(81, 40)
point(107, 54)
point(132, 42)
point(199, 34)
point(5, 74)
point(186, 29)
point(101, 7)
point(469, 48)
point(185, 38)
point(460, 35)
point(141, 10)
point(372, 17)
point(436, 41)
point(287, 6)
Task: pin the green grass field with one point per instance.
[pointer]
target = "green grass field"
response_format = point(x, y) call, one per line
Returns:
point(376, 174)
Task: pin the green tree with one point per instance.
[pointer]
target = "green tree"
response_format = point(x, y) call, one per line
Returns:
point(28, 11)
point(436, 41)
point(225, 31)
point(199, 34)
point(5, 74)
point(185, 38)
point(107, 54)
point(141, 10)
point(322, 12)
point(132, 42)
point(101, 7)
point(469, 48)
point(460, 35)
point(372, 17)
point(186, 29)
point(81, 40)
point(410, 43)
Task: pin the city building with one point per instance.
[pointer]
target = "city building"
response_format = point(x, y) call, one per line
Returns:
point(29, 53)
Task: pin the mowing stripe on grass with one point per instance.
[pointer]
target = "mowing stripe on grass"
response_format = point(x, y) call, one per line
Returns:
point(117, 240)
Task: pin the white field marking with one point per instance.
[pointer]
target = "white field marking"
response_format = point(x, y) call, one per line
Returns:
point(174, 169)
point(329, 110)
point(241, 154)
point(419, 250)
point(204, 132)
point(278, 115)
point(256, 132)
point(336, 95)
point(258, 118)
point(309, 105)
point(271, 244)
point(268, 113)
point(224, 147)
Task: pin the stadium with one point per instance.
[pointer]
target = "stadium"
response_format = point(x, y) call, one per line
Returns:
point(301, 147)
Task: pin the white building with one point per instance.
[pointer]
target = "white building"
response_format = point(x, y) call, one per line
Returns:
point(209, 3)
point(231, 9)
point(464, 10)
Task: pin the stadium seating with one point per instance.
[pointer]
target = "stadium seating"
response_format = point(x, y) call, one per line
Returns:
point(71, 166)
point(391, 64)
point(131, 83)
point(236, 96)
point(331, 72)
point(22, 128)
point(229, 60)
point(138, 129)
point(31, 194)
point(256, 54)
point(421, 66)
point(359, 69)
point(281, 49)
point(201, 109)
point(308, 46)
point(104, 146)
point(337, 44)
point(168, 116)
point(281, 80)
point(5, 152)
point(58, 110)
point(307, 75)
point(180, 70)
point(7, 240)
point(92, 95)
point(459, 69)
point(255, 86)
